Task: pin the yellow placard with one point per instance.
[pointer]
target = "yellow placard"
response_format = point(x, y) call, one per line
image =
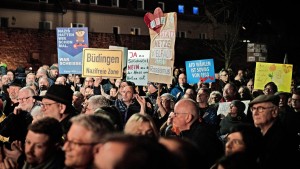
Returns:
point(280, 74)
point(102, 62)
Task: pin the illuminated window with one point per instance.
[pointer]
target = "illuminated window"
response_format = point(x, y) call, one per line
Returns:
point(195, 10)
point(181, 9)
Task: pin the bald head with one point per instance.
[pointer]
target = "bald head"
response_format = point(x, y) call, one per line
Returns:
point(187, 106)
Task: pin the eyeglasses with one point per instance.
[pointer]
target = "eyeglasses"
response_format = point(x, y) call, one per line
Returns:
point(176, 114)
point(23, 99)
point(225, 75)
point(260, 108)
point(46, 105)
point(74, 144)
point(234, 141)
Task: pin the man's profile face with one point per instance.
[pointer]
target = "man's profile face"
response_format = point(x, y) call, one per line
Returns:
point(37, 148)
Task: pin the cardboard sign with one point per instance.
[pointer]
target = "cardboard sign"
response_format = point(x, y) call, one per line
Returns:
point(200, 70)
point(280, 74)
point(102, 62)
point(70, 43)
point(162, 30)
point(137, 66)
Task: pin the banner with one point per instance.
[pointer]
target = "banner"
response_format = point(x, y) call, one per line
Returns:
point(70, 42)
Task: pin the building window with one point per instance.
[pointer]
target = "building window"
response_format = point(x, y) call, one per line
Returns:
point(140, 4)
point(161, 5)
point(3, 22)
point(195, 10)
point(181, 9)
point(202, 36)
point(94, 2)
point(77, 25)
point(43, 1)
point(115, 3)
point(135, 31)
point(45, 25)
point(116, 30)
point(181, 34)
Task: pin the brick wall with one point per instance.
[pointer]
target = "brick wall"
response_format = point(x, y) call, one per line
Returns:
point(32, 47)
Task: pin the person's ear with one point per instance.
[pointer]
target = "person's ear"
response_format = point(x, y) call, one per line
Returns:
point(189, 118)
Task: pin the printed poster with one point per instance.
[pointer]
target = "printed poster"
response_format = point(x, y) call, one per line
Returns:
point(70, 43)
point(200, 70)
point(280, 74)
point(137, 67)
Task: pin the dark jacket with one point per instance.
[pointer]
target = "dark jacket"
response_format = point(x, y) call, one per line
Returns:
point(56, 161)
point(127, 112)
point(277, 152)
point(15, 126)
point(206, 139)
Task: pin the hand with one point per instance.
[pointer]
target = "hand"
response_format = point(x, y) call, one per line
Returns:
point(141, 100)
point(158, 101)
point(8, 164)
point(15, 152)
point(17, 110)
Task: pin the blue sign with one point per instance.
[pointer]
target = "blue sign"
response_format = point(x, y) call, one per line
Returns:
point(200, 70)
point(70, 44)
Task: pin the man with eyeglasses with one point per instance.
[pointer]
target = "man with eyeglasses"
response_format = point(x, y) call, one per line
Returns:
point(277, 150)
point(86, 132)
point(15, 124)
point(57, 103)
point(186, 119)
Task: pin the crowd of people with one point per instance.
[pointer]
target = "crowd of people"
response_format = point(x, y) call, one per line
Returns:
point(53, 121)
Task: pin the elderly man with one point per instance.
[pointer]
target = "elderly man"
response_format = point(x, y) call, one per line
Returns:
point(11, 99)
point(15, 124)
point(277, 150)
point(186, 120)
point(86, 131)
point(94, 102)
point(57, 103)
point(179, 89)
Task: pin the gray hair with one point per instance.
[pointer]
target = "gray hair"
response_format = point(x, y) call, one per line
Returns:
point(97, 124)
point(98, 101)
